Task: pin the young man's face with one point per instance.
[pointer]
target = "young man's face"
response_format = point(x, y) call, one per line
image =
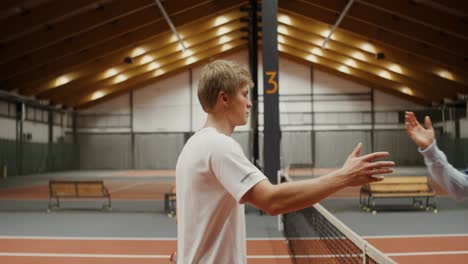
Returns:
point(239, 107)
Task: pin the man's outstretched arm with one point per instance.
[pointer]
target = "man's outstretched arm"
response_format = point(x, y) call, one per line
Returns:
point(293, 196)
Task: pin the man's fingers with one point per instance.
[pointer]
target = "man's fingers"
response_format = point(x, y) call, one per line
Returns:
point(375, 155)
point(408, 127)
point(427, 122)
point(380, 171)
point(376, 178)
point(412, 119)
point(356, 151)
point(381, 164)
point(408, 121)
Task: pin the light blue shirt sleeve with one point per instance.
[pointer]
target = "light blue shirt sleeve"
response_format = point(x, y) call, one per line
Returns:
point(454, 181)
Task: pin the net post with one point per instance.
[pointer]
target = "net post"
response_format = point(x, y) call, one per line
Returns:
point(364, 252)
point(280, 216)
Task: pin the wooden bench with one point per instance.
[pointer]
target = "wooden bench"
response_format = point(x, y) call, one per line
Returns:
point(170, 201)
point(416, 187)
point(60, 189)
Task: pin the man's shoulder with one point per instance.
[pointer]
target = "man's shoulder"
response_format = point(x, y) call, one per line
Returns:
point(215, 138)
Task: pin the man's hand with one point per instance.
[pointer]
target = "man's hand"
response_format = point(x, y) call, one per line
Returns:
point(423, 137)
point(360, 170)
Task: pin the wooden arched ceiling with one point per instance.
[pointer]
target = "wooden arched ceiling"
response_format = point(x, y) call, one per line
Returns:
point(72, 53)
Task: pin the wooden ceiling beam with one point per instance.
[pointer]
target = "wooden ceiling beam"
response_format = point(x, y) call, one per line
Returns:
point(369, 68)
point(365, 82)
point(298, 31)
point(423, 14)
point(121, 47)
point(144, 70)
point(42, 16)
point(397, 25)
point(457, 5)
point(67, 34)
point(359, 73)
point(376, 34)
point(10, 4)
point(141, 81)
point(393, 54)
point(163, 42)
point(160, 57)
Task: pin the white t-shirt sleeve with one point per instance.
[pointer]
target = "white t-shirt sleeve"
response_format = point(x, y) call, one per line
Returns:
point(233, 170)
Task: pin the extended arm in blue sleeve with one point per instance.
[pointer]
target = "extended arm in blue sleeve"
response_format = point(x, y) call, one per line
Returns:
point(454, 181)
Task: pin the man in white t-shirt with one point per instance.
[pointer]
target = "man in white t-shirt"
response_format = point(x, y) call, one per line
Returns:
point(214, 178)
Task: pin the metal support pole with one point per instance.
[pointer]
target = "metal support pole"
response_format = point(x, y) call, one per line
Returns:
point(132, 134)
point(272, 130)
point(50, 156)
point(171, 25)
point(338, 21)
point(253, 61)
point(372, 120)
point(312, 112)
point(191, 100)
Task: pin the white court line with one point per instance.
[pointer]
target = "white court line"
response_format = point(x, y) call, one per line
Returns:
point(428, 253)
point(133, 256)
point(248, 239)
point(87, 238)
point(71, 255)
point(416, 236)
point(122, 238)
point(23, 254)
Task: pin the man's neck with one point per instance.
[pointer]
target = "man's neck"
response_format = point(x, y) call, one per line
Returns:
point(220, 123)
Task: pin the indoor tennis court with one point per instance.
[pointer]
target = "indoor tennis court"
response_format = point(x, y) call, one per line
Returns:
point(100, 100)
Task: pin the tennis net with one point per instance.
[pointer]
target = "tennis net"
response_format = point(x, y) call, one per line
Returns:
point(314, 235)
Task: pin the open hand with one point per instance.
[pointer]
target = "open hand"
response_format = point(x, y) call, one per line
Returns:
point(360, 170)
point(423, 137)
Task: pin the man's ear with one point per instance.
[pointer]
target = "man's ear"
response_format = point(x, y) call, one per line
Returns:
point(223, 97)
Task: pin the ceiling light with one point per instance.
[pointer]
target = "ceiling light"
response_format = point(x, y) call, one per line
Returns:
point(324, 33)
point(281, 39)
point(153, 66)
point(385, 74)
point(284, 19)
point(222, 31)
point(174, 37)
point(187, 53)
point(62, 80)
point(146, 59)
point(190, 60)
point(445, 74)
point(317, 51)
point(358, 55)
point(226, 47)
point(368, 47)
point(220, 20)
point(224, 39)
point(312, 58)
point(159, 72)
point(97, 95)
point(395, 68)
point(406, 90)
point(120, 78)
point(283, 30)
point(137, 52)
point(110, 72)
point(351, 62)
point(344, 69)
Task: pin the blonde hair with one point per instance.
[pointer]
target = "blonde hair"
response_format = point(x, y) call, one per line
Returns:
point(221, 75)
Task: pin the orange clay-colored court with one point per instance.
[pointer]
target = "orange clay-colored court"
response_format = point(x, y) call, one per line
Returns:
point(150, 186)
